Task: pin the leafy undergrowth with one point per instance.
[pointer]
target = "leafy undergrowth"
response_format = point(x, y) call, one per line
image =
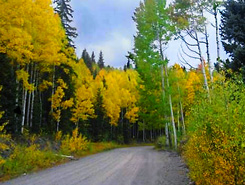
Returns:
point(160, 143)
point(215, 150)
point(39, 153)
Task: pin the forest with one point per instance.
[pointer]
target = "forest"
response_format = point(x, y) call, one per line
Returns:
point(53, 101)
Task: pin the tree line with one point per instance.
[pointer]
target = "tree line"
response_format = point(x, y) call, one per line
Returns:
point(46, 88)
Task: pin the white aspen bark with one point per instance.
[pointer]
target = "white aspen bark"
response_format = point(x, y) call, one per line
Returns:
point(182, 118)
point(217, 33)
point(163, 98)
point(208, 55)
point(23, 111)
point(178, 128)
point(202, 64)
point(33, 95)
point(24, 97)
point(29, 99)
point(173, 124)
point(181, 112)
point(171, 111)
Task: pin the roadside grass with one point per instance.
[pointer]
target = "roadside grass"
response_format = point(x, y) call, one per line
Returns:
point(33, 156)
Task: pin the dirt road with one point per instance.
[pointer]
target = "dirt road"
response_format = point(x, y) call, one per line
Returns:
point(125, 166)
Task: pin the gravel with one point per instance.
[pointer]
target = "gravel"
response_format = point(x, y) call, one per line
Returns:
point(124, 166)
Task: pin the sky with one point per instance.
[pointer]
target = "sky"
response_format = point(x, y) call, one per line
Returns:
point(107, 26)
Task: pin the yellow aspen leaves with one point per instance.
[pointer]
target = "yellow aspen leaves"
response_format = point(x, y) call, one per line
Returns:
point(45, 85)
point(84, 93)
point(58, 103)
point(22, 75)
point(120, 92)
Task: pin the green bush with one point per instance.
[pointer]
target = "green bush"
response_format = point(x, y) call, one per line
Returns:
point(161, 142)
point(216, 131)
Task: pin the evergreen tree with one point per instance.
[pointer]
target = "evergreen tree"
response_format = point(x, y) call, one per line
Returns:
point(64, 9)
point(93, 58)
point(101, 63)
point(87, 60)
point(233, 33)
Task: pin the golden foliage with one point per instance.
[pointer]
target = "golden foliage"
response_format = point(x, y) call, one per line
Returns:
point(74, 144)
point(23, 75)
point(84, 93)
point(120, 91)
point(215, 149)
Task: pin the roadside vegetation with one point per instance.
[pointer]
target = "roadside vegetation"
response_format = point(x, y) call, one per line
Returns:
point(56, 106)
point(32, 152)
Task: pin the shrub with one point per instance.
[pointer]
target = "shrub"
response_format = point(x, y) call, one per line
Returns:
point(216, 130)
point(25, 159)
point(74, 144)
point(161, 142)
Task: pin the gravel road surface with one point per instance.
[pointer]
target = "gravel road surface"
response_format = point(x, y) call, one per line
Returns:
point(124, 166)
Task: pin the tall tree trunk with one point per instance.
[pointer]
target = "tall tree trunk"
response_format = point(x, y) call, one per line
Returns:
point(33, 95)
point(203, 65)
point(29, 99)
point(217, 32)
point(182, 118)
point(17, 101)
point(208, 55)
point(171, 110)
point(172, 119)
point(178, 120)
point(53, 89)
point(24, 97)
point(181, 112)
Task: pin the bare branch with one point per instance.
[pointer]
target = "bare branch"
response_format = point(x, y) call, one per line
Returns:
point(188, 54)
point(187, 43)
point(184, 61)
point(191, 35)
point(193, 51)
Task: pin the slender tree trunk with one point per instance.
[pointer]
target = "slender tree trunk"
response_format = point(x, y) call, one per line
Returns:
point(29, 99)
point(181, 112)
point(53, 89)
point(178, 120)
point(203, 65)
point(17, 101)
point(33, 95)
point(22, 111)
point(171, 110)
point(24, 97)
point(182, 118)
point(208, 55)
point(217, 33)
point(172, 119)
